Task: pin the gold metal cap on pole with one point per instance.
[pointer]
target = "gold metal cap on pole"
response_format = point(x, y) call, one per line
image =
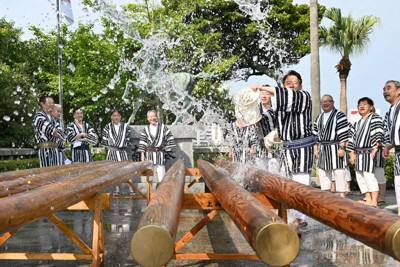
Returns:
point(156, 241)
point(277, 244)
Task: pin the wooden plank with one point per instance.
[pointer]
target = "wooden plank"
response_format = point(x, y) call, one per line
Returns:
point(89, 204)
point(7, 236)
point(200, 201)
point(45, 256)
point(97, 224)
point(189, 235)
point(213, 256)
point(70, 234)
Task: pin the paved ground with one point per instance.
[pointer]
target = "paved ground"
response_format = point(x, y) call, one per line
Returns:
point(320, 245)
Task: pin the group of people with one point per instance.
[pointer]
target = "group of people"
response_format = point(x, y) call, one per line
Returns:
point(330, 139)
point(155, 139)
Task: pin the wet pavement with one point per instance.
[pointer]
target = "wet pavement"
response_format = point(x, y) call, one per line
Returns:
point(320, 245)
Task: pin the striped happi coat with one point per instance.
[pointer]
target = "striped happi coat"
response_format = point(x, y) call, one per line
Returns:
point(162, 139)
point(118, 144)
point(293, 116)
point(365, 135)
point(334, 131)
point(392, 133)
point(267, 124)
point(81, 153)
point(44, 126)
point(242, 139)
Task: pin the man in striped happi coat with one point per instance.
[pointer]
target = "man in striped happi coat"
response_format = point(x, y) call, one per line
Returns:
point(292, 106)
point(116, 136)
point(267, 122)
point(155, 141)
point(47, 134)
point(391, 92)
point(81, 135)
point(365, 137)
point(331, 127)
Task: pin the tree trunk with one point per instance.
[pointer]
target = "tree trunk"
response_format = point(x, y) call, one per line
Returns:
point(343, 68)
point(343, 93)
point(314, 60)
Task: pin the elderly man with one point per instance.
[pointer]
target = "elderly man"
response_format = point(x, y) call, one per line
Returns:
point(331, 127)
point(47, 133)
point(292, 106)
point(391, 93)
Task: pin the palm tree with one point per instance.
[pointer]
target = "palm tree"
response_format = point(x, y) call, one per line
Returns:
point(346, 36)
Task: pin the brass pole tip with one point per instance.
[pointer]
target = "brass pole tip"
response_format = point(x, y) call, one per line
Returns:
point(277, 244)
point(392, 240)
point(152, 246)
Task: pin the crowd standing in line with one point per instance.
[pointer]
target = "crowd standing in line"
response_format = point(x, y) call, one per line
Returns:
point(286, 110)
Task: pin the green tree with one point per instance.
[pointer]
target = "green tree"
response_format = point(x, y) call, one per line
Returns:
point(347, 36)
point(17, 95)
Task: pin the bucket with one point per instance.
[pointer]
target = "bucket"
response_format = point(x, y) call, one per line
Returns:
point(246, 107)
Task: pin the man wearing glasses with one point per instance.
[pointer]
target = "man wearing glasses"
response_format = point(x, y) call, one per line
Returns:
point(331, 127)
point(292, 106)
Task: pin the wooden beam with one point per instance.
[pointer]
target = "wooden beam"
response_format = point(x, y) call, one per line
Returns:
point(153, 242)
point(274, 241)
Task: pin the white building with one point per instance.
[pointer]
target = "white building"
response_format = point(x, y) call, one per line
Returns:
point(210, 137)
point(353, 115)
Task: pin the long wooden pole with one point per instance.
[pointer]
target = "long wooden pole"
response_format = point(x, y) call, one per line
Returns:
point(274, 241)
point(153, 242)
point(26, 207)
point(371, 226)
point(29, 182)
point(55, 170)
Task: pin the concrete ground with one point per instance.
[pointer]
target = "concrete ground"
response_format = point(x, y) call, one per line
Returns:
point(320, 245)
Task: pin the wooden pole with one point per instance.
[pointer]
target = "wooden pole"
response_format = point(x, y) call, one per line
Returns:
point(29, 182)
point(153, 242)
point(274, 242)
point(26, 207)
point(55, 170)
point(371, 226)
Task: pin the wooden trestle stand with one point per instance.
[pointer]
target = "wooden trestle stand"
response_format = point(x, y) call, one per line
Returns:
point(32, 194)
point(36, 193)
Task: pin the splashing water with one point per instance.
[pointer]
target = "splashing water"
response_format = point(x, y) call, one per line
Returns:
point(153, 73)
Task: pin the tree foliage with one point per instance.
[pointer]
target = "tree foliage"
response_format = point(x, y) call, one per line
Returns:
point(213, 37)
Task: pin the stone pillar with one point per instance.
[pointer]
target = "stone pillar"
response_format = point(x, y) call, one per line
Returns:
point(183, 134)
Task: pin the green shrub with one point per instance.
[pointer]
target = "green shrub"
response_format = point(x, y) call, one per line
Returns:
point(19, 164)
point(211, 157)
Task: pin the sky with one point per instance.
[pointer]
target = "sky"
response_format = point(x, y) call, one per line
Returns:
point(370, 70)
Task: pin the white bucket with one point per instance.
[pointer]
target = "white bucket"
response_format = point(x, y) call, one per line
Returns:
point(247, 111)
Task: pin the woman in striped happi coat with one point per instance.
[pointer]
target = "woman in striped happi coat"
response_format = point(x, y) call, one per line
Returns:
point(47, 134)
point(116, 136)
point(81, 135)
point(365, 137)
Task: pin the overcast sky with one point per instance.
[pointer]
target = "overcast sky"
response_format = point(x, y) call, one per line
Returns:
point(370, 70)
